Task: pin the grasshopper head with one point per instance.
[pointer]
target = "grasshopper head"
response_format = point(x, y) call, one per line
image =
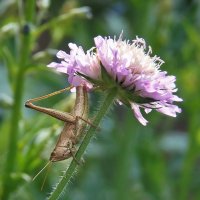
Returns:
point(62, 152)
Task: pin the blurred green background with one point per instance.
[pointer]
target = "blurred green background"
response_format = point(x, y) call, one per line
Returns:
point(125, 160)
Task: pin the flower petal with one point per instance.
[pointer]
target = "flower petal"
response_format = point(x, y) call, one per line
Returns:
point(62, 55)
point(137, 113)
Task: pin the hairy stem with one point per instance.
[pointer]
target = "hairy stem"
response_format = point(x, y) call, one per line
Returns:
point(68, 174)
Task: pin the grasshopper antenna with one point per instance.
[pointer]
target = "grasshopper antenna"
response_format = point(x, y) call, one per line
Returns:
point(49, 165)
point(41, 171)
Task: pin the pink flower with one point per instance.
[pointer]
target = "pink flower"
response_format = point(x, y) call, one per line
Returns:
point(126, 66)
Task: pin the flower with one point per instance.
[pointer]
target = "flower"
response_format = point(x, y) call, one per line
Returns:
point(129, 67)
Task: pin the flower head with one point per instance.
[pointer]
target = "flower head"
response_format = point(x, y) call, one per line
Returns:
point(129, 67)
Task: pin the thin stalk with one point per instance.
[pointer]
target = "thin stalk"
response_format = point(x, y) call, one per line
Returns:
point(13, 133)
point(8, 184)
point(70, 171)
point(83, 11)
point(30, 10)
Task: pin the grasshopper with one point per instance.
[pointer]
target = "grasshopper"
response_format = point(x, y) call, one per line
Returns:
point(73, 126)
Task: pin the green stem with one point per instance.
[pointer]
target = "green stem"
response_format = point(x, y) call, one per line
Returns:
point(30, 10)
point(13, 134)
point(68, 174)
point(83, 11)
point(8, 184)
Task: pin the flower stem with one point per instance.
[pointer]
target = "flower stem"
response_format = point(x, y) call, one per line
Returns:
point(68, 174)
